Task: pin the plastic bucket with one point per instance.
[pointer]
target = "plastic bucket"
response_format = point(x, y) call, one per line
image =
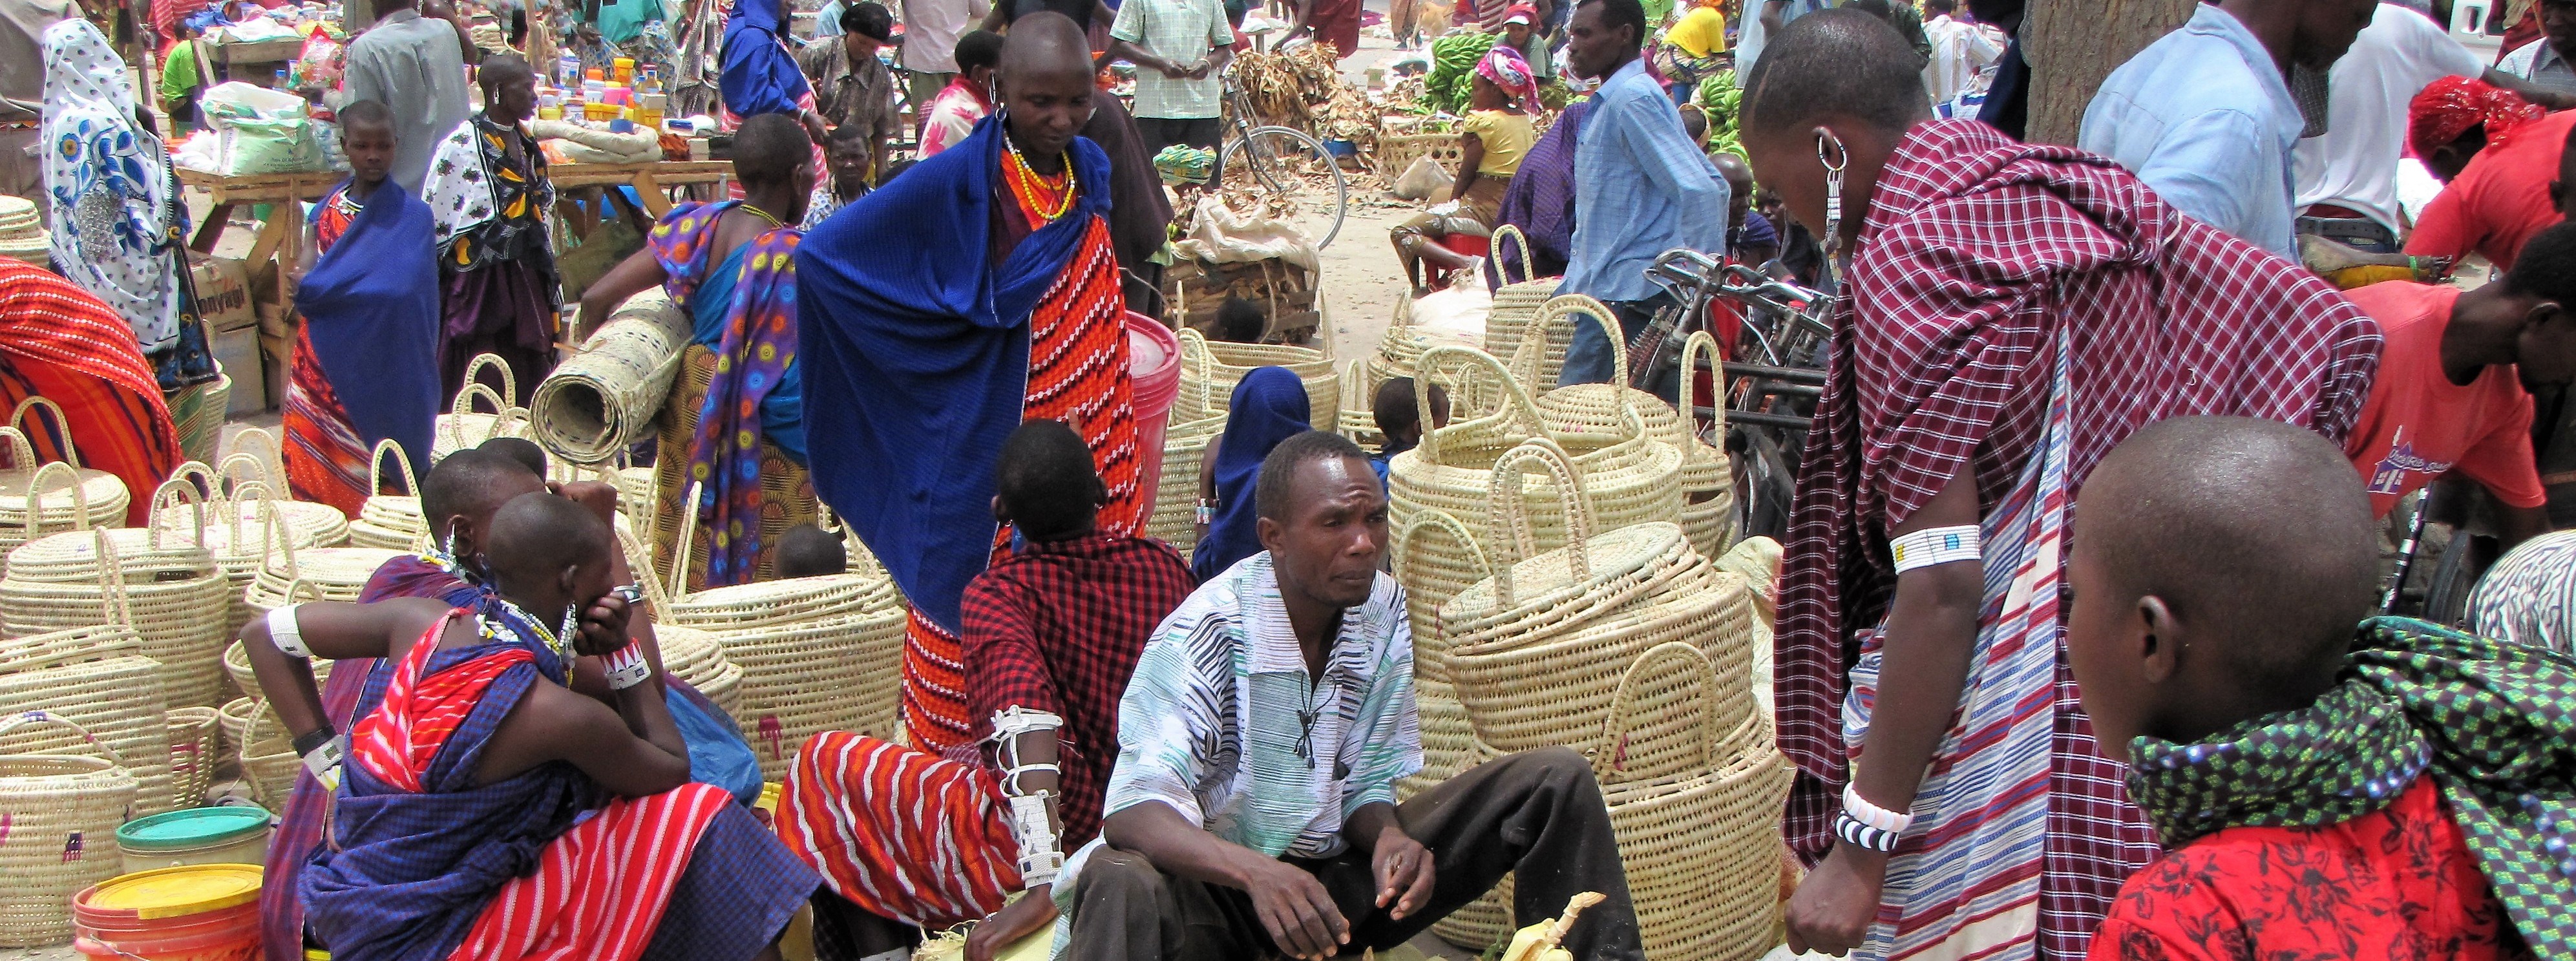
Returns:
point(209, 835)
point(195, 913)
point(1154, 363)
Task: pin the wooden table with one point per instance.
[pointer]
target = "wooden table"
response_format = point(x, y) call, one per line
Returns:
point(281, 238)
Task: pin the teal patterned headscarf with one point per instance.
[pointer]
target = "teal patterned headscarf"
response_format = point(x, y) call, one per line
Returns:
point(2494, 724)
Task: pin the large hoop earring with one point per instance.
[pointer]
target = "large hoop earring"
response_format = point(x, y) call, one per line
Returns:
point(1830, 154)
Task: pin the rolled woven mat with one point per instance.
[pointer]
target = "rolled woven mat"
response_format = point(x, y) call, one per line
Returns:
point(98, 677)
point(601, 401)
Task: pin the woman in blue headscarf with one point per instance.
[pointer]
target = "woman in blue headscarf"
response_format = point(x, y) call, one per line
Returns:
point(760, 76)
point(1268, 407)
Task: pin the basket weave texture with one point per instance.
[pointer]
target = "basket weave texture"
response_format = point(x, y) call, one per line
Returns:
point(1223, 365)
point(168, 589)
point(602, 400)
point(63, 815)
point(463, 426)
point(98, 678)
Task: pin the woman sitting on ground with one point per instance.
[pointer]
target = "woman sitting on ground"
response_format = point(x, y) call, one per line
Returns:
point(1496, 134)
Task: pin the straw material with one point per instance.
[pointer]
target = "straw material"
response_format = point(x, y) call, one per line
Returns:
point(1606, 408)
point(1426, 587)
point(96, 677)
point(1448, 741)
point(599, 402)
point(1702, 853)
point(237, 667)
point(1224, 365)
point(237, 531)
point(462, 426)
point(170, 592)
point(54, 497)
point(268, 757)
point(390, 521)
point(1175, 518)
point(815, 654)
point(198, 412)
point(1516, 305)
point(195, 743)
point(63, 813)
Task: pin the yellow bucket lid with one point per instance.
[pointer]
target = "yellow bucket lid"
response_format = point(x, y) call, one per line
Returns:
point(172, 892)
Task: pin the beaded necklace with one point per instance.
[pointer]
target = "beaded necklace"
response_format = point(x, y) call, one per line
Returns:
point(1032, 188)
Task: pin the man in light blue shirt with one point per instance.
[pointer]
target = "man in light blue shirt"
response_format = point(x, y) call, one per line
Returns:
point(2205, 115)
point(1641, 187)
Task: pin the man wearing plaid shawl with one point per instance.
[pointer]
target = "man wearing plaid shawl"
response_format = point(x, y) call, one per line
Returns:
point(2404, 792)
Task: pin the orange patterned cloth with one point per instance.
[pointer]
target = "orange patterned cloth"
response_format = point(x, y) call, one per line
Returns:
point(900, 833)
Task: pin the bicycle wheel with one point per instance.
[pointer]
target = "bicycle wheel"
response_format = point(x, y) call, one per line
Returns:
point(1297, 177)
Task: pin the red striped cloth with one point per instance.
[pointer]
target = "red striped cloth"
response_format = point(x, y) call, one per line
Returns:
point(62, 343)
point(601, 888)
point(402, 736)
point(326, 460)
point(1077, 374)
point(900, 833)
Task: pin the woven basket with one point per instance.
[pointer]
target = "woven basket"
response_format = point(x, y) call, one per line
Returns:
point(328, 573)
point(63, 814)
point(268, 757)
point(599, 402)
point(238, 531)
point(1427, 586)
point(198, 413)
point(1224, 365)
point(35, 502)
point(169, 591)
point(195, 747)
point(257, 456)
point(237, 664)
point(98, 677)
point(1708, 477)
point(1603, 408)
point(816, 654)
point(697, 656)
point(1701, 844)
point(1195, 417)
point(390, 521)
point(1396, 153)
point(462, 427)
point(1516, 304)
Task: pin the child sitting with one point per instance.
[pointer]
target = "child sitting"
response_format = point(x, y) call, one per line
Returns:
point(2397, 792)
point(1399, 418)
point(810, 551)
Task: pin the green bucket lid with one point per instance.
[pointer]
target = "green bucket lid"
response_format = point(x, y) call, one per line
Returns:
point(192, 828)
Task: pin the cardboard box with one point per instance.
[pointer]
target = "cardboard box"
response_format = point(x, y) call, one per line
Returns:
point(237, 351)
point(223, 293)
point(274, 320)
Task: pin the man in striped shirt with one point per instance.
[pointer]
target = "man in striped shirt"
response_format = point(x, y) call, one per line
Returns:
point(1253, 806)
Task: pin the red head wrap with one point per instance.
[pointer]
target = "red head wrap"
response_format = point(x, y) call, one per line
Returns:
point(2451, 106)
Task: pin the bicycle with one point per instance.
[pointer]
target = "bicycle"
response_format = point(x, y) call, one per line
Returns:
point(1768, 404)
point(1296, 175)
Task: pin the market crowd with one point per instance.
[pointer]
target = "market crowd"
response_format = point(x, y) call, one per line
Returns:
point(2079, 647)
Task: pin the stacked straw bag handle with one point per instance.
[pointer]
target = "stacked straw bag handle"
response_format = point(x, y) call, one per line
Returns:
point(1652, 679)
point(1502, 268)
point(1516, 407)
point(40, 716)
point(376, 469)
point(1700, 342)
point(1510, 512)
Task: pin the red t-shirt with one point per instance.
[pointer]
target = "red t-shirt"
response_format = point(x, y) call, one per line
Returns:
point(2500, 200)
point(2396, 884)
point(2417, 424)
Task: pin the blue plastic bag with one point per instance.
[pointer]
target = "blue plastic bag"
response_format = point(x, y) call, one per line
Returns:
point(717, 753)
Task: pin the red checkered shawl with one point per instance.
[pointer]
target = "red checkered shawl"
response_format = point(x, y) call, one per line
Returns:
point(1975, 250)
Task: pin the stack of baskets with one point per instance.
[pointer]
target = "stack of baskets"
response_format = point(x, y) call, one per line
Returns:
point(97, 677)
point(1708, 477)
point(1196, 416)
point(239, 530)
point(267, 753)
point(390, 521)
point(1516, 306)
point(166, 586)
point(599, 402)
point(1634, 649)
point(816, 653)
point(291, 574)
point(40, 498)
point(1222, 365)
point(1707, 481)
point(63, 814)
point(462, 427)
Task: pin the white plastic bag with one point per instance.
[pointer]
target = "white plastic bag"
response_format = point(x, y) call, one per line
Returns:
point(1422, 180)
point(1455, 315)
point(1220, 235)
point(224, 103)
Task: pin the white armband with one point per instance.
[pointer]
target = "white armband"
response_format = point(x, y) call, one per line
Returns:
point(283, 632)
point(626, 667)
point(324, 762)
point(1041, 859)
point(1936, 545)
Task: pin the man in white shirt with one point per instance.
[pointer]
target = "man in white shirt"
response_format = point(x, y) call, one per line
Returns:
point(2347, 179)
point(1179, 47)
point(1960, 51)
point(2205, 115)
point(928, 57)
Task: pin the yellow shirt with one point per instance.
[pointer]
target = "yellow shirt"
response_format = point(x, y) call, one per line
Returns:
point(1701, 33)
point(1507, 136)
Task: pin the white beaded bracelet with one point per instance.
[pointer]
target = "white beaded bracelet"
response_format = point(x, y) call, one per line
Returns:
point(626, 667)
point(1892, 822)
point(1935, 545)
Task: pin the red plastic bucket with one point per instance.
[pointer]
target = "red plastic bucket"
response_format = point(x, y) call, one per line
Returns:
point(1154, 364)
point(231, 934)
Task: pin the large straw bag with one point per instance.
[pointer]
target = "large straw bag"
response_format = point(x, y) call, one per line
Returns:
point(63, 814)
point(1196, 416)
point(600, 401)
point(329, 573)
point(267, 752)
point(195, 743)
point(1708, 482)
point(1695, 803)
point(390, 521)
point(1708, 477)
point(238, 533)
point(170, 589)
point(97, 677)
point(1516, 305)
point(1224, 365)
point(817, 654)
point(462, 426)
point(1427, 586)
point(1537, 649)
point(35, 502)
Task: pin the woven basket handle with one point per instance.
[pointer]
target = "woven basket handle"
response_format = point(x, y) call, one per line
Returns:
point(509, 396)
point(24, 718)
point(680, 552)
point(1510, 511)
point(1400, 547)
point(244, 470)
point(178, 491)
point(62, 425)
point(272, 468)
point(35, 498)
point(376, 469)
point(1580, 305)
point(1699, 343)
point(1194, 348)
point(640, 558)
point(464, 405)
point(22, 455)
point(1658, 662)
point(1516, 401)
point(276, 534)
point(113, 603)
point(200, 476)
point(1503, 268)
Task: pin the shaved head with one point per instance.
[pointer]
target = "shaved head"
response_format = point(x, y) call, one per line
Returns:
point(1045, 42)
point(536, 537)
point(769, 149)
point(1045, 80)
point(2255, 534)
point(1843, 62)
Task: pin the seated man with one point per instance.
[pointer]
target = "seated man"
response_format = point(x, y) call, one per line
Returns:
point(2388, 793)
point(488, 810)
point(729, 264)
point(2452, 368)
point(1052, 632)
point(1253, 806)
